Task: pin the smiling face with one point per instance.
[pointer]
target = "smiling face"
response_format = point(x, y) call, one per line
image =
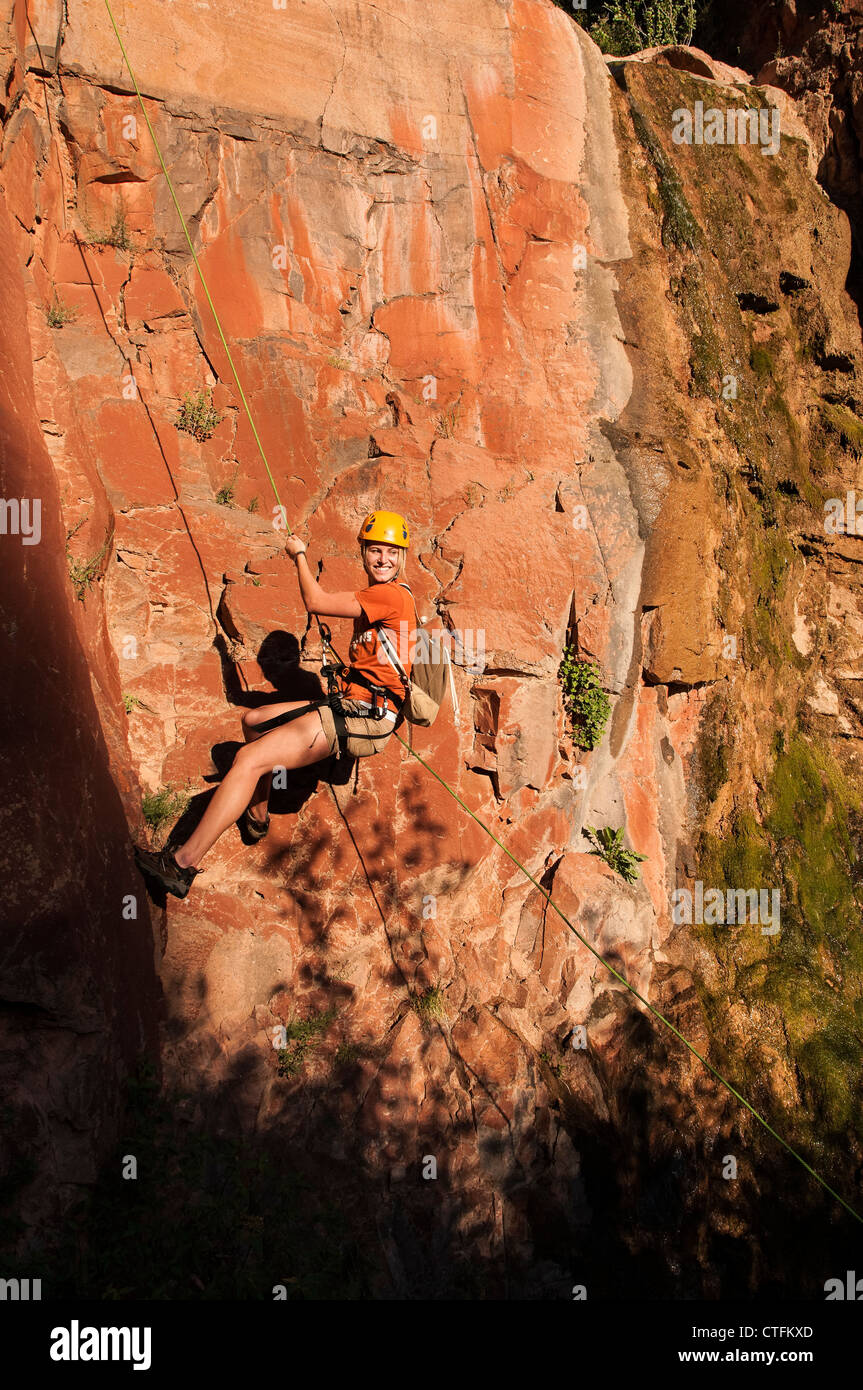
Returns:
point(381, 562)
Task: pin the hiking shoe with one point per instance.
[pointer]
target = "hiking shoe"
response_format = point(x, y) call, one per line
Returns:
point(255, 829)
point(163, 867)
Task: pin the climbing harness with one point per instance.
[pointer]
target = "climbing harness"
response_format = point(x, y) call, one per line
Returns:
point(335, 670)
point(339, 667)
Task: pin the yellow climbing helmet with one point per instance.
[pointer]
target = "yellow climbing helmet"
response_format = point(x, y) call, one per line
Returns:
point(387, 527)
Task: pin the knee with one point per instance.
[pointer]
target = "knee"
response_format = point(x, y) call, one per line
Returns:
point(250, 721)
point(247, 758)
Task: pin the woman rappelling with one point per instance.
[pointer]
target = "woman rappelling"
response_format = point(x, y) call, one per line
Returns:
point(358, 717)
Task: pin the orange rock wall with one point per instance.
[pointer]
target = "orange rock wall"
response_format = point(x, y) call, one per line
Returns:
point(390, 209)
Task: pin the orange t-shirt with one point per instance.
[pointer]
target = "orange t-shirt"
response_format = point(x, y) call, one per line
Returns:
point(388, 606)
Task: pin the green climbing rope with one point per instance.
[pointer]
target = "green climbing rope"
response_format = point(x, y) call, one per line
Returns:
point(632, 990)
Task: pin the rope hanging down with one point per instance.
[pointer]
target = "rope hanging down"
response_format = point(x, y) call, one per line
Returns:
point(610, 968)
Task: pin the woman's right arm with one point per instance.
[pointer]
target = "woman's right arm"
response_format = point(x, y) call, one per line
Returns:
point(316, 599)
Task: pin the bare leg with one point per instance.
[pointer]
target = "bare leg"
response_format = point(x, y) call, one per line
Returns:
point(260, 803)
point(259, 806)
point(294, 745)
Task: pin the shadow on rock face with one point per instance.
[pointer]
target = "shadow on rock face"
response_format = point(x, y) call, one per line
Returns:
point(279, 660)
point(330, 1198)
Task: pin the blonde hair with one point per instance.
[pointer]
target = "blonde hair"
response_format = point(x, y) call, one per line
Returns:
point(403, 555)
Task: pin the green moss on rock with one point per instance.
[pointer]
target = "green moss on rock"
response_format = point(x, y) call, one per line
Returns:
point(845, 425)
point(679, 227)
point(811, 973)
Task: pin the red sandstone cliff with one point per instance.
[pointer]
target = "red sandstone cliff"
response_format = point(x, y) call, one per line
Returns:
point(388, 207)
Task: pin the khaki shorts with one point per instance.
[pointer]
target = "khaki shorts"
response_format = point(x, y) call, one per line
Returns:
point(365, 735)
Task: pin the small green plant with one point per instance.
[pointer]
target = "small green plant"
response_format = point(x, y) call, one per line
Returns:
point(584, 699)
point(341, 363)
point(225, 495)
point(131, 702)
point(291, 1060)
point(302, 1035)
point(555, 1066)
point(253, 505)
point(608, 844)
point(83, 572)
point(346, 1055)
point(117, 236)
point(165, 805)
point(197, 415)
point(625, 26)
point(429, 1006)
point(59, 313)
point(446, 422)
